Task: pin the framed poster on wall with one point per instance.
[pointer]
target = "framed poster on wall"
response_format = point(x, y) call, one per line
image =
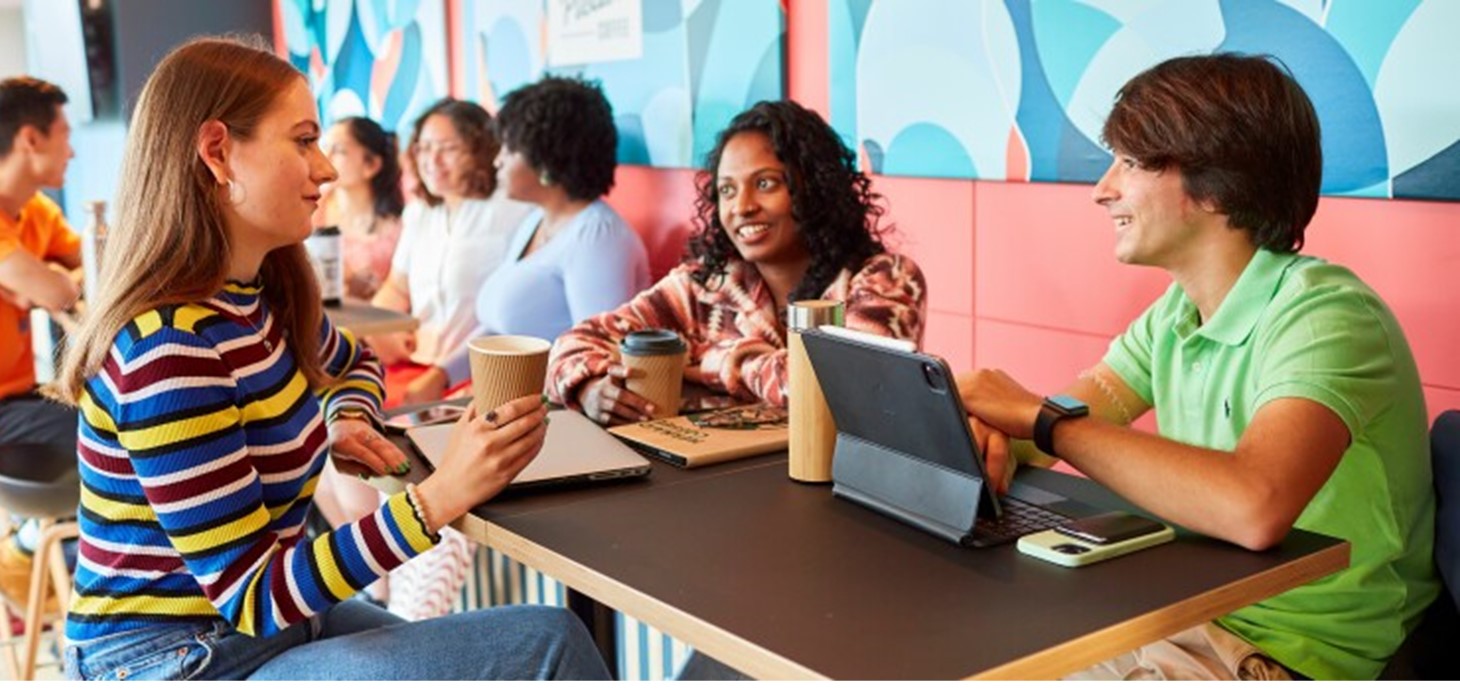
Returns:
point(698, 63)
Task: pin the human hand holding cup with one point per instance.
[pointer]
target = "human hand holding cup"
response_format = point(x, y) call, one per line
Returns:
point(657, 359)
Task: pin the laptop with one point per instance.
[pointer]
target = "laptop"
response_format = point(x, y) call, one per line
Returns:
point(576, 451)
point(905, 447)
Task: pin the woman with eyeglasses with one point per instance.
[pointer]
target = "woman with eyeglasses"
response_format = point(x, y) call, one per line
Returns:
point(452, 238)
point(573, 256)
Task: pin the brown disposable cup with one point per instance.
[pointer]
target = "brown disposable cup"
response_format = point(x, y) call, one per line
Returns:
point(659, 356)
point(506, 367)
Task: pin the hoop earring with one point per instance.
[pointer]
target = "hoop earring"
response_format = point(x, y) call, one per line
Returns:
point(236, 192)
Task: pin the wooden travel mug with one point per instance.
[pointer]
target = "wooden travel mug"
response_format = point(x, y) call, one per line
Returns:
point(812, 429)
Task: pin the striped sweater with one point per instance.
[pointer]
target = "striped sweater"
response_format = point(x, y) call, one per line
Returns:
point(200, 447)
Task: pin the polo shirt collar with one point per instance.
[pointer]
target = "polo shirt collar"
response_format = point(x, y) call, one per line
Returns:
point(1245, 302)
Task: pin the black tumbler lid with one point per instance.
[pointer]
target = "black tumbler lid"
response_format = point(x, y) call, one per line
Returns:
point(652, 342)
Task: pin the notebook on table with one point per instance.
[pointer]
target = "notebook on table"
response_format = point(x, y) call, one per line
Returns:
point(576, 451)
point(904, 446)
point(706, 438)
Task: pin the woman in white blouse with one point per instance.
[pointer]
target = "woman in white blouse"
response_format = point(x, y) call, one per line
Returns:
point(452, 238)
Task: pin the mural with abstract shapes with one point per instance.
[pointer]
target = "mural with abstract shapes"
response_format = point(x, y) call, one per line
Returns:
point(1018, 89)
point(384, 59)
point(704, 61)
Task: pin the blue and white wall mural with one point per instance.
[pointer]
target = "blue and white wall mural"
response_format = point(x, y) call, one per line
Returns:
point(1018, 89)
point(703, 61)
point(384, 59)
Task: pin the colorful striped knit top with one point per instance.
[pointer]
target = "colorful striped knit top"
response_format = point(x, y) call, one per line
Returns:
point(200, 447)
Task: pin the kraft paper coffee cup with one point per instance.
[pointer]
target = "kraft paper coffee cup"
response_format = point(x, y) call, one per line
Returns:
point(506, 367)
point(659, 356)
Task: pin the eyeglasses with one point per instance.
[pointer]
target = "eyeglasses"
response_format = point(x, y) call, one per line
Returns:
point(446, 149)
point(746, 418)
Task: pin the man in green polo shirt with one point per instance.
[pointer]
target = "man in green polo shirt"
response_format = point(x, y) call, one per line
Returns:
point(1284, 389)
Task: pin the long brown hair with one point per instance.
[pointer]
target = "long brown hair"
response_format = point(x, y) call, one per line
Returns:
point(169, 244)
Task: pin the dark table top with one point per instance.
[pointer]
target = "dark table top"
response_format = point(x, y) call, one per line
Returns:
point(782, 579)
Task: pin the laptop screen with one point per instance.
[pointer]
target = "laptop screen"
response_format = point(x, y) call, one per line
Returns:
point(576, 449)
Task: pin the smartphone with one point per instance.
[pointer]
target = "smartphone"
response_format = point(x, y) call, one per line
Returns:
point(1095, 539)
point(439, 414)
point(1108, 528)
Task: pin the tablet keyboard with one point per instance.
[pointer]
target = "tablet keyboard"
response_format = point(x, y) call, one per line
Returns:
point(1020, 518)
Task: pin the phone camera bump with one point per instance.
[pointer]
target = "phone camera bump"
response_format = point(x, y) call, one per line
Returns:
point(1071, 549)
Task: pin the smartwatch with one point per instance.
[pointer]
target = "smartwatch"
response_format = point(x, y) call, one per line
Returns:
point(1054, 410)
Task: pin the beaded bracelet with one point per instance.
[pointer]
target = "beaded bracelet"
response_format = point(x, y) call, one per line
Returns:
point(413, 497)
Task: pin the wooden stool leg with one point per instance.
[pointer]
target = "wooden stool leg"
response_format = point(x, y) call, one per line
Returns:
point(60, 573)
point(8, 641)
point(36, 603)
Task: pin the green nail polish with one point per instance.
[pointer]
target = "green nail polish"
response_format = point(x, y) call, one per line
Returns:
point(544, 398)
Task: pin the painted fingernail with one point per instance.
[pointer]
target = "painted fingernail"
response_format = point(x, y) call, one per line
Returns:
point(490, 416)
point(649, 408)
point(544, 398)
point(402, 468)
point(644, 418)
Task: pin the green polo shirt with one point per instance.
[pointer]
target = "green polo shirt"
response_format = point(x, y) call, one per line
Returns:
point(1298, 327)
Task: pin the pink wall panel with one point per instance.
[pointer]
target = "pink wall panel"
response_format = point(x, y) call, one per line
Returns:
point(659, 204)
point(1440, 399)
point(1409, 251)
point(1044, 256)
point(950, 336)
point(1043, 360)
point(934, 220)
point(807, 54)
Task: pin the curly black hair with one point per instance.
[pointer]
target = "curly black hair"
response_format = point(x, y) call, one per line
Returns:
point(385, 185)
point(831, 200)
point(564, 126)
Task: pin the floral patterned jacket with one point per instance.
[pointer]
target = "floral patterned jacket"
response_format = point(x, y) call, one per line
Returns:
point(736, 337)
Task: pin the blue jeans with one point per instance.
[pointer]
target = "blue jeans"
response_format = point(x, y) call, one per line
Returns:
point(353, 641)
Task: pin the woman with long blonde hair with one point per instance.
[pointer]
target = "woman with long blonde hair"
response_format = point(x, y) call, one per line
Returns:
point(211, 390)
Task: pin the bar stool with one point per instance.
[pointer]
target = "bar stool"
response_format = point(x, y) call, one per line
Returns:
point(41, 482)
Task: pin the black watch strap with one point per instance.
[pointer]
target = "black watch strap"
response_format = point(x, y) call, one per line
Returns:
point(1044, 429)
point(1051, 414)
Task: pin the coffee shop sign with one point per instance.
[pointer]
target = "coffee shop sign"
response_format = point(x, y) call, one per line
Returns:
point(583, 32)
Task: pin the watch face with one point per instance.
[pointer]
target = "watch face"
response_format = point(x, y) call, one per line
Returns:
point(1067, 404)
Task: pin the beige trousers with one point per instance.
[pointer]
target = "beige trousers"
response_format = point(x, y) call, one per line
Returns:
point(1206, 652)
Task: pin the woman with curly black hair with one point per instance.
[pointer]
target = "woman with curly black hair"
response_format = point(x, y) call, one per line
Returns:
point(783, 214)
point(573, 256)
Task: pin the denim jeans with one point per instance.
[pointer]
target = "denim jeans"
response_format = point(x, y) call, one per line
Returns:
point(353, 641)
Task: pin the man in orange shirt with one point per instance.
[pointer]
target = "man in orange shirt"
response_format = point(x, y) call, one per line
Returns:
point(37, 251)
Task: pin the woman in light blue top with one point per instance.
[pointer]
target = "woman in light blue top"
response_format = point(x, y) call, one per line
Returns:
point(574, 256)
